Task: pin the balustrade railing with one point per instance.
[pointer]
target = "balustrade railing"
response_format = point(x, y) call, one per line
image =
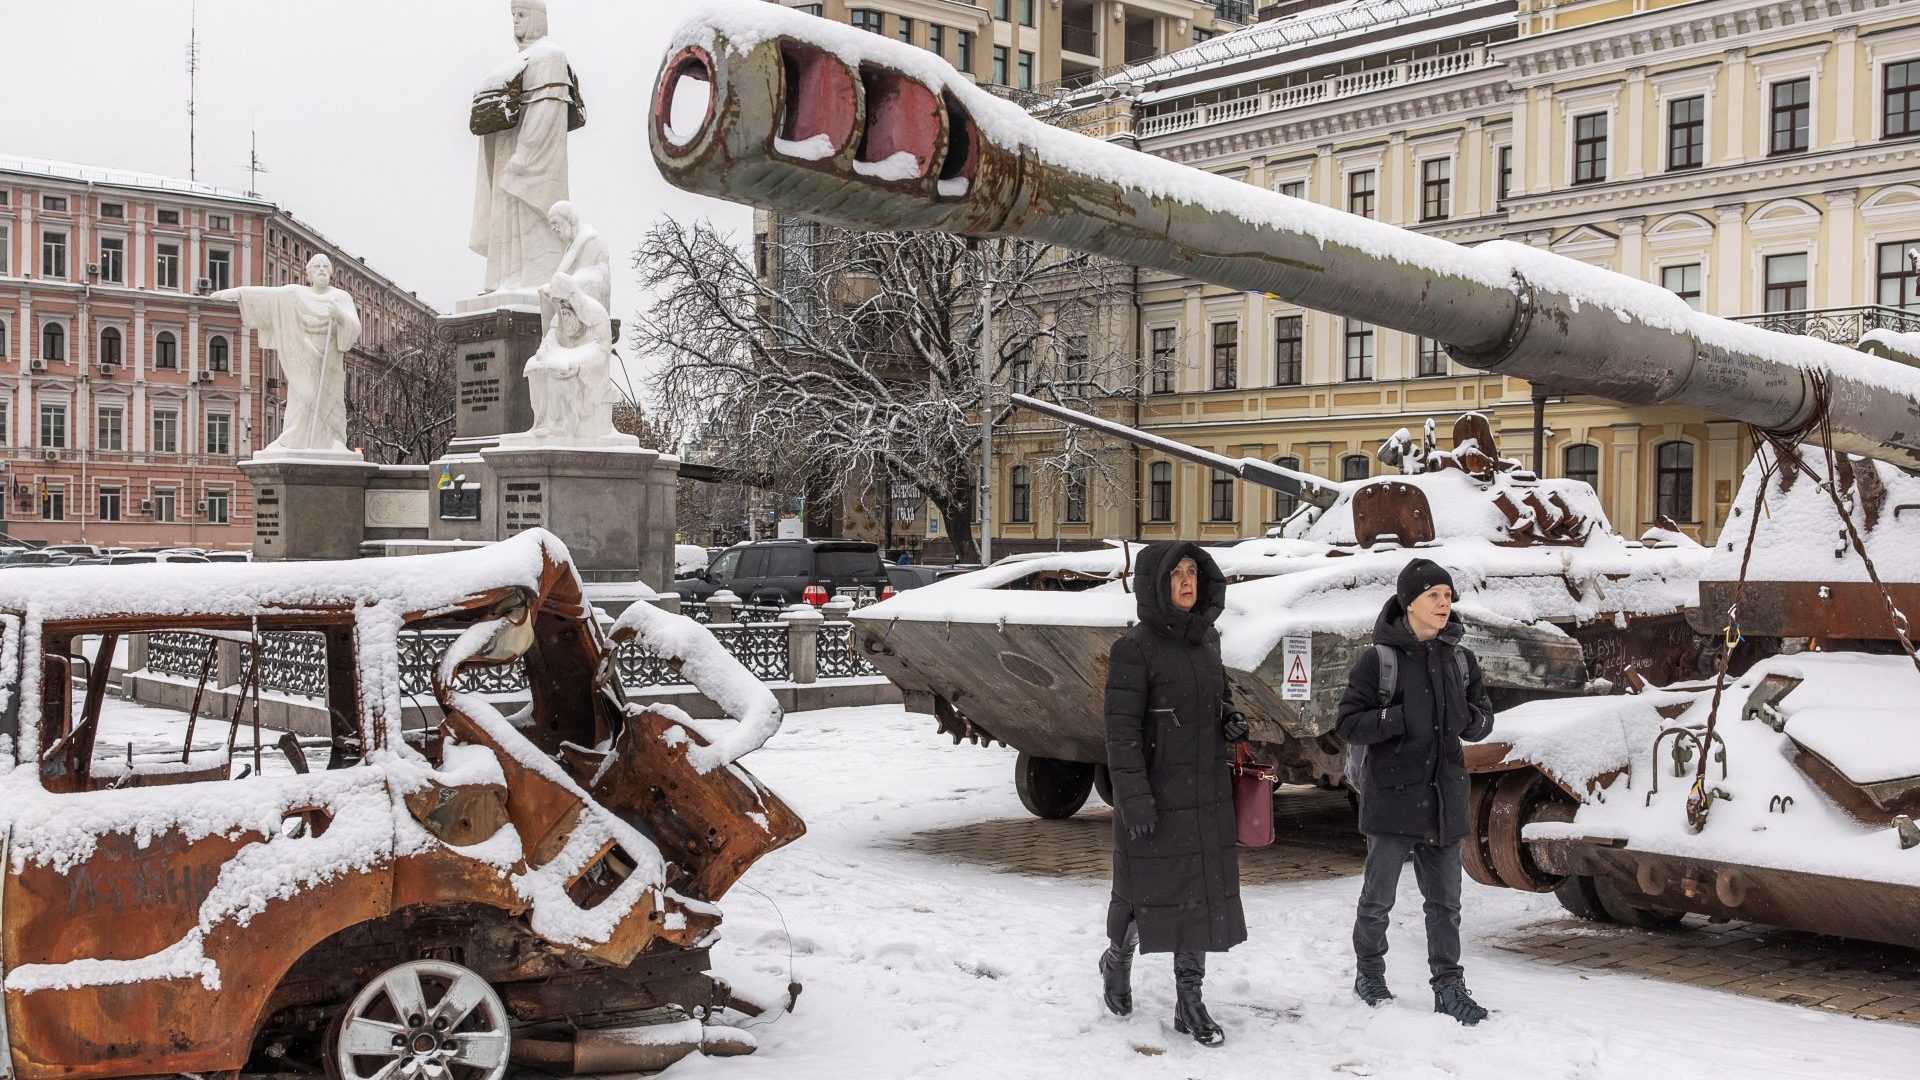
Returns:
point(1293, 97)
point(1842, 326)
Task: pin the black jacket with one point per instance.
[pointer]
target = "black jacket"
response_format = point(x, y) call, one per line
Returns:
point(1413, 780)
point(1166, 689)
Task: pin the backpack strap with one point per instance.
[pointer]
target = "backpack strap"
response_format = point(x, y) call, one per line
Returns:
point(1460, 663)
point(1389, 670)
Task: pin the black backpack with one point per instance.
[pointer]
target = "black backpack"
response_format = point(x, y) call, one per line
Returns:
point(1389, 682)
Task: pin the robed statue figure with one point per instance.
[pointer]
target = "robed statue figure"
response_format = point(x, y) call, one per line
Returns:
point(310, 328)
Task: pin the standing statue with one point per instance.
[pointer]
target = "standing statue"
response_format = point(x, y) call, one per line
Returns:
point(569, 379)
point(522, 113)
point(585, 260)
point(310, 328)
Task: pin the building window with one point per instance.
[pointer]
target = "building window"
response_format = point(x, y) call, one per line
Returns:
point(3, 347)
point(53, 254)
point(1897, 280)
point(167, 217)
point(1020, 371)
point(217, 354)
point(1293, 189)
point(217, 506)
point(1226, 355)
point(1503, 187)
point(6, 249)
point(109, 503)
point(219, 433)
point(110, 346)
point(1359, 350)
point(937, 40)
point(166, 431)
point(904, 28)
point(870, 21)
point(1026, 70)
point(219, 270)
point(1284, 504)
point(1581, 462)
point(1590, 148)
point(220, 222)
point(1786, 283)
point(1288, 351)
point(1000, 65)
point(1901, 99)
point(114, 210)
point(963, 50)
point(53, 502)
point(166, 266)
point(1020, 495)
point(1162, 360)
point(1436, 189)
point(1675, 462)
point(1219, 497)
point(113, 258)
point(1686, 133)
point(1683, 282)
point(1356, 467)
point(804, 9)
point(1792, 111)
point(109, 428)
point(166, 350)
point(53, 343)
point(165, 507)
point(55, 203)
point(1160, 491)
point(1026, 12)
point(1079, 377)
point(1077, 495)
point(1000, 9)
point(1360, 193)
point(1430, 358)
point(53, 425)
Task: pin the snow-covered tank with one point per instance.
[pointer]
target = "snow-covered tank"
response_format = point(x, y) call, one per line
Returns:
point(1802, 791)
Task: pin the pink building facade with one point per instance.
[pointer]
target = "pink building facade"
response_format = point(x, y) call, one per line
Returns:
point(126, 396)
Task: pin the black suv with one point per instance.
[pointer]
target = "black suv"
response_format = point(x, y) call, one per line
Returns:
point(782, 571)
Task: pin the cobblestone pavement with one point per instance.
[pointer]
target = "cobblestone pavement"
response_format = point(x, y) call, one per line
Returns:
point(1315, 840)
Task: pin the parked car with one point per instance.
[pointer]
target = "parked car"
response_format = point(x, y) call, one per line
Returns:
point(133, 558)
point(689, 560)
point(229, 556)
point(87, 551)
point(789, 571)
point(27, 558)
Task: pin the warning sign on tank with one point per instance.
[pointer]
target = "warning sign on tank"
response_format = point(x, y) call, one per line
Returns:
point(1297, 661)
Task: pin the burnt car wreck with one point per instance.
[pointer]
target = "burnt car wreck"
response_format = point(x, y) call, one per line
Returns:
point(499, 888)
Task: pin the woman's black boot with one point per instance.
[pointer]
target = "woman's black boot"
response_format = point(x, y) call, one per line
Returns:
point(1116, 971)
point(1189, 1012)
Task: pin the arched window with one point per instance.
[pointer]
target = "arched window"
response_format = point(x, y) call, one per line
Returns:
point(1284, 504)
point(1581, 462)
point(217, 358)
point(1674, 460)
point(110, 346)
point(1160, 491)
point(1356, 467)
point(1077, 494)
point(1020, 495)
point(53, 342)
point(166, 350)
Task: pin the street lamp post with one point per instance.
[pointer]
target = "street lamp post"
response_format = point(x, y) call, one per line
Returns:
point(986, 410)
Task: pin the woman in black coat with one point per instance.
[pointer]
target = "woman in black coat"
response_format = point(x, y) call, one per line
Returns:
point(1176, 872)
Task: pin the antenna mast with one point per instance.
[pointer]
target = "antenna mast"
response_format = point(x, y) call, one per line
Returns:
point(254, 168)
point(193, 87)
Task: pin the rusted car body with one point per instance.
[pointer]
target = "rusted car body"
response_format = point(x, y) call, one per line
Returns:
point(467, 883)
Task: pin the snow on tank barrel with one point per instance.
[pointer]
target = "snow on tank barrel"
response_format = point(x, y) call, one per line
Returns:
point(791, 113)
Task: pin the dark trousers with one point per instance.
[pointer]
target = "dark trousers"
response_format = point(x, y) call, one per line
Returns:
point(1437, 868)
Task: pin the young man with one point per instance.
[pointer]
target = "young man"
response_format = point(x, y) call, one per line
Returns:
point(1403, 728)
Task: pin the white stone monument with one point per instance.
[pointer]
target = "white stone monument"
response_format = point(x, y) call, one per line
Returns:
point(585, 260)
point(522, 113)
point(569, 379)
point(310, 328)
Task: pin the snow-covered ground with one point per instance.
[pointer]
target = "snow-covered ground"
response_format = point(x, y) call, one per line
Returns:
point(915, 966)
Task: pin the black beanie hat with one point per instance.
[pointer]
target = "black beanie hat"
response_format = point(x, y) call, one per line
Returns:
point(1419, 576)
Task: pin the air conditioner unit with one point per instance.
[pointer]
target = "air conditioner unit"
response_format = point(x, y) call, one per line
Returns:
point(206, 376)
point(203, 286)
point(146, 506)
point(93, 269)
point(273, 382)
point(108, 371)
point(200, 508)
point(52, 455)
point(39, 364)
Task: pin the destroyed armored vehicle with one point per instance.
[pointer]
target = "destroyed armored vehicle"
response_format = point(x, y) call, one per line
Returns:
point(1795, 800)
point(431, 902)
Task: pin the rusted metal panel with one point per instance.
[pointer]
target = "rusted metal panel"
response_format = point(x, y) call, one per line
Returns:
point(1830, 611)
point(6, 1042)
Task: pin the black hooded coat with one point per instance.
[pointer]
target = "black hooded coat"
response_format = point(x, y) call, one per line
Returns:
point(1166, 695)
point(1414, 780)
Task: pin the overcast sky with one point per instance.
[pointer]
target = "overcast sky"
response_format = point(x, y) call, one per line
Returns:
point(361, 108)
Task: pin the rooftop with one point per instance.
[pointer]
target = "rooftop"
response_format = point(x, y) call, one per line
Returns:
point(128, 178)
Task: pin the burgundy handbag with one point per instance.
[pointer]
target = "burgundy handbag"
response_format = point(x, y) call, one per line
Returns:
point(1252, 800)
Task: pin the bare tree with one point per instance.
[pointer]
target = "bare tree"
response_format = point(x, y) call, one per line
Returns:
point(856, 356)
point(401, 397)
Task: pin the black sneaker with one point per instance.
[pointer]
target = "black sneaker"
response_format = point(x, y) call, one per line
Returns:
point(1454, 999)
point(1372, 989)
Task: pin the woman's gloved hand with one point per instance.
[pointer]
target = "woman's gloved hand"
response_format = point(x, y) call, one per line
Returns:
point(1235, 726)
point(1141, 820)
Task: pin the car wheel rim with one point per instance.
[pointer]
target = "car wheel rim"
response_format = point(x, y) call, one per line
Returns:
point(424, 1020)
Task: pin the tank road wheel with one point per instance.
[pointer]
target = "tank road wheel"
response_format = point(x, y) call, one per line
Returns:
point(424, 1020)
point(1519, 797)
point(1051, 788)
point(1103, 784)
point(1624, 911)
point(1473, 854)
point(1577, 895)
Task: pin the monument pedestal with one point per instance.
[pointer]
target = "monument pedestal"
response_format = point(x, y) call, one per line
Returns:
point(614, 507)
point(491, 349)
point(308, 508)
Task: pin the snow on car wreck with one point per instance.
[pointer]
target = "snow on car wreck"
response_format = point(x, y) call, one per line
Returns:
point(427, 900)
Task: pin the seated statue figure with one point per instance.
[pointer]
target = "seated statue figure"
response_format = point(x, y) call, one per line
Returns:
point(569, 380)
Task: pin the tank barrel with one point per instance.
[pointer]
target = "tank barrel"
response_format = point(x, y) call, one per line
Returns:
point(1301, 485)
point(807, 117)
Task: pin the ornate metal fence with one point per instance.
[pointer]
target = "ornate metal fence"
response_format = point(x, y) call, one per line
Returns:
point(1842, 326)
point(837, 657)
point(179, 654)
